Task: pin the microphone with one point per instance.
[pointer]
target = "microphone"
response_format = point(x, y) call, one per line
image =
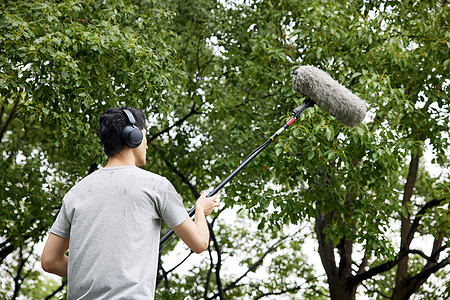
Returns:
point(329, 95)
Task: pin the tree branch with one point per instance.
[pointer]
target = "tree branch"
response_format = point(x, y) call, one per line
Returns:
point(11, 114)
point(180, 263)
point(363, 264)
point(345, 247)
point(436, 251)
point(376, 291)
point(163, 276)
point(361, 276)
point(208, 275)
point(204, 65)
point(2, 109)
point(326, 249)
point(92, 168)
point(292, 289)
point(390, 264)
point(418, 218)
point(6, 249)
point(377, 269)
point(253, 267)
point(218, 265)
point(288, 290)
point(193, 111)
point(405, 227)
point(426, 272)
point(183, 178)
point(59, 289)
point(407, 194)
point(18, 279)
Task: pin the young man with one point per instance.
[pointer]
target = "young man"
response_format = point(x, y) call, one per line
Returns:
point(111, 219)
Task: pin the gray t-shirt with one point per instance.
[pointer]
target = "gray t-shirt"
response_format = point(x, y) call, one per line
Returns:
point(112, 219)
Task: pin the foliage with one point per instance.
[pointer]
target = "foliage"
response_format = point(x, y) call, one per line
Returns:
point(62, 63)
point(31, 283)
point(215, 76)
point(251, 263)
point(363, 186)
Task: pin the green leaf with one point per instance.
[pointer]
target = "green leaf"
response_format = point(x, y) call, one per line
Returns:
point(329, 133)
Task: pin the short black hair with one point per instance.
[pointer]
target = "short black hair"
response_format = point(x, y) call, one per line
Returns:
point(112, 122)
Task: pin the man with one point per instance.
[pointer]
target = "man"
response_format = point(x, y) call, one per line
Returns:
point(111, 219)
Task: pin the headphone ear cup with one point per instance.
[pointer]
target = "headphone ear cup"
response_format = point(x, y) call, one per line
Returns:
point(132, 136)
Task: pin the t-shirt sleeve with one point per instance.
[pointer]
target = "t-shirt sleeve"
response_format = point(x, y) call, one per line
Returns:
point(61, 226)
point(171, 208)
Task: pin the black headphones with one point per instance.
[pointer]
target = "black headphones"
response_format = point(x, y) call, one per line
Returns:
point(131, 135)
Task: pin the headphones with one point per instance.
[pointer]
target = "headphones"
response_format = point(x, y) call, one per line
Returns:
point(131, 135)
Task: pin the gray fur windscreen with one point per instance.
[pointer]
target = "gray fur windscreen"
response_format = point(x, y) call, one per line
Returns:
point(329, 95)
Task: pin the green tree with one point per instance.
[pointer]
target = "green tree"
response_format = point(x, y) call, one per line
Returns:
point(364, 187)
point(215, 76)
point(61, 64)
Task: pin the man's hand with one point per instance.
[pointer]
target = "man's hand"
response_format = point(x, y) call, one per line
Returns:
point(196, 233)
point(207, 204)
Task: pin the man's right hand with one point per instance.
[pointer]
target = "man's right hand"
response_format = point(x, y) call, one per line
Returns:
point(207, 204)
point(196, 233)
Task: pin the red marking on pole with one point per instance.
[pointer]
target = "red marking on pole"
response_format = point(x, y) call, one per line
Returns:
point(289, 123)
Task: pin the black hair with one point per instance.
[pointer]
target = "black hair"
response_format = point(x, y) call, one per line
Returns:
point(112, 122)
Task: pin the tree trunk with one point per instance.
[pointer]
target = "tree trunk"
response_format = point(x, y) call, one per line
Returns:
point(401, 290)
point(340, 291)
point(339, 278)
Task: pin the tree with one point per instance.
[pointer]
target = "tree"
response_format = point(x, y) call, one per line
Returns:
point(61, 64)
point(359, 184)
point(216, 77)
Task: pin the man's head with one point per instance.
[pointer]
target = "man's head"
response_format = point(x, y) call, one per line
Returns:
point(111, 125)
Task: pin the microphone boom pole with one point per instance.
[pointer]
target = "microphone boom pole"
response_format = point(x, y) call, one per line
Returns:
point(296, 113)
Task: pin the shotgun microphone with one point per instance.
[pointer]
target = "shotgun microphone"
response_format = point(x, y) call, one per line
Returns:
point(329, 95)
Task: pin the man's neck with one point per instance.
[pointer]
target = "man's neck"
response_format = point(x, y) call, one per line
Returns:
point(121, 159)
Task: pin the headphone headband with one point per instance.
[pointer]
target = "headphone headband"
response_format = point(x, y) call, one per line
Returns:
point(130, 116)
point(131, 135)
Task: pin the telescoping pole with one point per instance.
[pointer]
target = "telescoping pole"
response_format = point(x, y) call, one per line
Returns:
point(296, 113)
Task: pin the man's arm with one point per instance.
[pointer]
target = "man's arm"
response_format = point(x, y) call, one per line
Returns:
point(54, 259)
point(196, 233)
